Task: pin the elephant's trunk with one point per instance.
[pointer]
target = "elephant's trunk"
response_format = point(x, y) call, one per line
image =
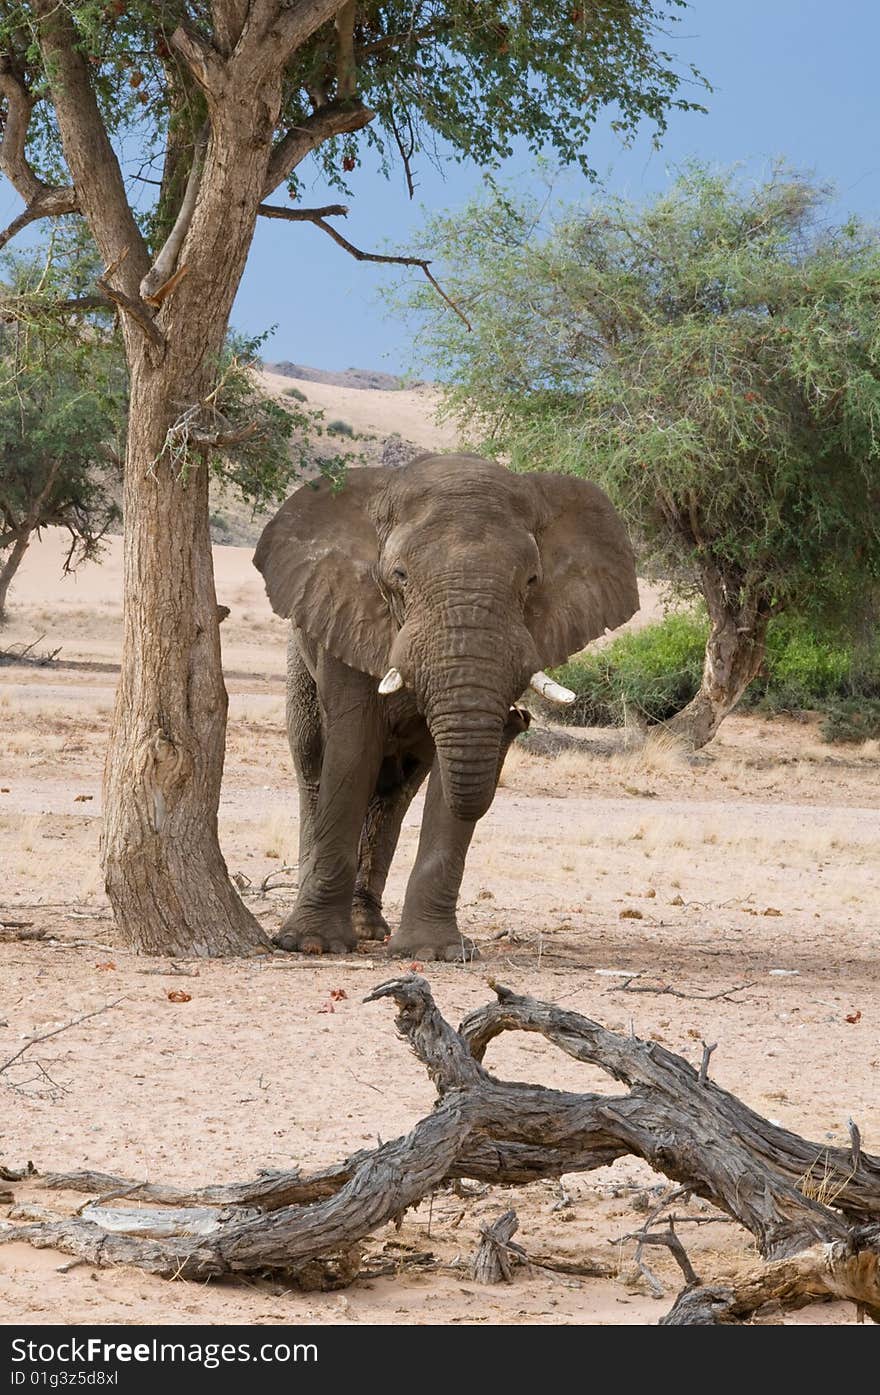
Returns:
point(466, 701)
point(468, 746)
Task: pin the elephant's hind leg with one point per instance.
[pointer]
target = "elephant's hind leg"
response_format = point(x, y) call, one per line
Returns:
point(394, 793)
point(305, 737)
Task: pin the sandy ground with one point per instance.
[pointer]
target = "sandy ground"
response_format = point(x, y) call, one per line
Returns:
point(408, 412)
point(754, 864)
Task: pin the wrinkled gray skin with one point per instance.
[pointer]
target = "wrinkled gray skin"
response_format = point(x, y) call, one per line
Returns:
point(467, 578)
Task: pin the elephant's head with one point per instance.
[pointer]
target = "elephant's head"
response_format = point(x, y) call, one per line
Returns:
point(456, 579)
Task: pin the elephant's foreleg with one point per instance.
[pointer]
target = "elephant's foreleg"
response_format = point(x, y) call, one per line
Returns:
point(428, 924)
point(428, 927)
point(378, 843)
point(352, 752)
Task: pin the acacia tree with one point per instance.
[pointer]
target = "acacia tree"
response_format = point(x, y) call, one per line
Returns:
point(62, 408)
point(233, 95)
point(714, 360)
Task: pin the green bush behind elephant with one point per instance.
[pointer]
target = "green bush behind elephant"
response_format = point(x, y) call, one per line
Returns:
point(455, 582)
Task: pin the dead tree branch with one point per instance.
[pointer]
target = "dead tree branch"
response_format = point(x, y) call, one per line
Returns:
point(816, 1242)
point(56, 1031)
point(157, 283)
point(269, 210)
point(668, 991)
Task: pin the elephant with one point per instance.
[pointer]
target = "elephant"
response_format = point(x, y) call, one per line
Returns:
point(423, 603)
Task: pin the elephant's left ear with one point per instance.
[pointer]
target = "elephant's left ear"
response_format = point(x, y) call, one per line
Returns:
point(589, 581)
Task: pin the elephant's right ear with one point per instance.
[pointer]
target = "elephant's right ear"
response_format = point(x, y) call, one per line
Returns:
point(318, 558)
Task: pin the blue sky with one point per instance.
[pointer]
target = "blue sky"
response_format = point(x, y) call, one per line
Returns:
point(795, 78)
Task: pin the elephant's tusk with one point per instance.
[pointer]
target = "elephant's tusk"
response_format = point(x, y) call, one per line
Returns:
point(391, 683)
point(554, 692)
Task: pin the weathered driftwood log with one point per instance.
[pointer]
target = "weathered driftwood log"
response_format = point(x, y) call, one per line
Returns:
point(814, 1211)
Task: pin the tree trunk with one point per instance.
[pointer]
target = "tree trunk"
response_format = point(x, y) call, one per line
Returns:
point(164, 871)
point(10, 566)
point(734, 654)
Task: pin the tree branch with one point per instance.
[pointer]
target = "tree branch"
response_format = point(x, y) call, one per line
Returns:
point(90, 156)
point(19, 105)
point(23, 307)
point(136, 309)
point(328, 121)
point(346, 64)
point(42, 200)
point(201, 58)
point(292, 215)
point(52, 203)
point(162, 270)
point(297, 21)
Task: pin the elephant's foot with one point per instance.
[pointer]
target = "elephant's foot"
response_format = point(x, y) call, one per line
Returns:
point(327, 933)
point(367, 919)
point(429, 941)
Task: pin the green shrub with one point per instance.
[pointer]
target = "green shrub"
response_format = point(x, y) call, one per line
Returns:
point(802, 668)
point(852, 719)
point(340, 428)
point(652, 672)
point(295, 393)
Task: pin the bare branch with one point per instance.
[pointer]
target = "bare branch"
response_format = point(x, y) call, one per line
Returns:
point(225, 438)
point(723, 996)
point(19, 105)
point(708, 1048)
point(331, 120)
point(405, 151)
point(30, 307)
point(56, 1031)
point(670, 1241)
point(305, 215)
point(162, 270)
point(136, 309)
point(42, 200)
point(268, 210)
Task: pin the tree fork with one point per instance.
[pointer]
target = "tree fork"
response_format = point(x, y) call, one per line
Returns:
point(311, 1228)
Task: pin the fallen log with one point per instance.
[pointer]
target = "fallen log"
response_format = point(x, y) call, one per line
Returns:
point(814, 1211)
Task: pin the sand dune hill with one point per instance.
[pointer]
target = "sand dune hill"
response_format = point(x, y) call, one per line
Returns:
point(407, 412)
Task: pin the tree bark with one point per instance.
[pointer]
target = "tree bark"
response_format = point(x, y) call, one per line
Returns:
point(10, 566)
point(814, 1211)
point(164, 871)
point(734, 654)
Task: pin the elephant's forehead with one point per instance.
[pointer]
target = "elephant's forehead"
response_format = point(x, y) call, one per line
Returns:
point(431, 485)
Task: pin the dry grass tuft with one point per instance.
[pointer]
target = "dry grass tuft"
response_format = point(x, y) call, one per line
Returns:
point(277, 836)
point(656, 752)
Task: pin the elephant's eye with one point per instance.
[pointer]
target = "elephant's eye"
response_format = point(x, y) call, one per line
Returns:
point(533, 580)
point(398, 573)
